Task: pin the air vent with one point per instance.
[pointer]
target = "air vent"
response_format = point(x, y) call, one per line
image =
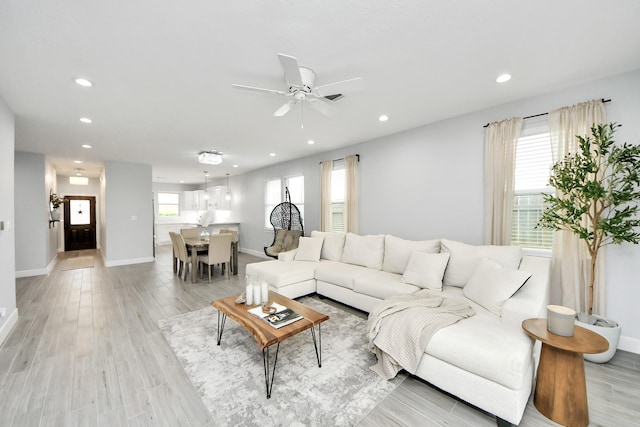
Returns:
point(334, 98)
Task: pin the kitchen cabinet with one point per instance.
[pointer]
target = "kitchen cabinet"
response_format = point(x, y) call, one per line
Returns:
point(217, 198)
point(194, 200)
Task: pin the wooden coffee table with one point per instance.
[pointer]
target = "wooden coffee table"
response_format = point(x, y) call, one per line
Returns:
point(561, 390)
point(266, 335)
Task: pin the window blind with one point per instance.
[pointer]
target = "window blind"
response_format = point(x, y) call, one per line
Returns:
point(531, 178)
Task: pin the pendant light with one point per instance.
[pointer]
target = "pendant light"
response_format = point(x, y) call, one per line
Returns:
point(227, 196)
point(206, 193)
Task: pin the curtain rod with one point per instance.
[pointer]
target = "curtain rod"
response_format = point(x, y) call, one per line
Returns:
point(342, 158)
point(542, 114)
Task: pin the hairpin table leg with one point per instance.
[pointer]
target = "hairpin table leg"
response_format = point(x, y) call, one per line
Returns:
point(318, 345)
point(265, 358)
point(222, 318)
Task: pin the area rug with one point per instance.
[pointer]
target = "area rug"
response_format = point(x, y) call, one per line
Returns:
point(230, 377)
point(78, 262)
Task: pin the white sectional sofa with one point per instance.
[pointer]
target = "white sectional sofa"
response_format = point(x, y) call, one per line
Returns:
point(487, 359)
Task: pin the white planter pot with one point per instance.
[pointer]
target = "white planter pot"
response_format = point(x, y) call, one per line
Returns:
point(55, 214)
point(612, 335)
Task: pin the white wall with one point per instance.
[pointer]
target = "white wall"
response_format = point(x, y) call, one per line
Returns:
point(128, 218)
point(32, 215)
point(7, 236)
point(53, 235)
point(427, 183)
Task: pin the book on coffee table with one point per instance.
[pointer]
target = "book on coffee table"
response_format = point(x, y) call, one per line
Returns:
point(282, 317)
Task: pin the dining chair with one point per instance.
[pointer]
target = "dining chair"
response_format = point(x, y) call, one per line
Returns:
point(219, 252)
point(234, 252)
point(182, 254)
point(233, 233)
point(190, 233)
point(174, 255)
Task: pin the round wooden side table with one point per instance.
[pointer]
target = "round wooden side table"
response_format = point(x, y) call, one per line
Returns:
point(561, 389)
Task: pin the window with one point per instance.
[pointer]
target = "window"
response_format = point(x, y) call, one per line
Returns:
point(295, 184)
point(79, 212)
point(274, 195)
point(533, 166)
point(338, 190)
point(168, 204)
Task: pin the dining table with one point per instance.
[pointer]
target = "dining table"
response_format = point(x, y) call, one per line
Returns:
point(195, 245)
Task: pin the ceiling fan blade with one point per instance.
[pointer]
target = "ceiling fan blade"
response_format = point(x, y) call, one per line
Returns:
point(284, 109)
point(321, 105)
point(258, 89)
point(344, 86)
point(291, 69)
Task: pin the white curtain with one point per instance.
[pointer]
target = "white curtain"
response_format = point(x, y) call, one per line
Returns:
point(325, 195)
point(570, 259)
point(351, 195)
point(500, 147)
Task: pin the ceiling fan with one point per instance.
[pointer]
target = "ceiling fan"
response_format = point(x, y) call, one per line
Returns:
point(300, 82)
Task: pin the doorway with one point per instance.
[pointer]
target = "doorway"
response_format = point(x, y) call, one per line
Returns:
point(79, 223)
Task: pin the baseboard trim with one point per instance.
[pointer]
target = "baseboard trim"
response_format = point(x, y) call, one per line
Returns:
point(31, 273)
point(52, 264)
point(260, 254)
point(8, 325)
point(629, 344)
point(119, 262)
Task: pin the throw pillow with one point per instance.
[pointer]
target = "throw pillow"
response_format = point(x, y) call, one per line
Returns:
point(491, 285)
point(366, 251)
point(397, 252)
point(426, 270)
point(465, 258)
point(309, 249)
point(333, 244)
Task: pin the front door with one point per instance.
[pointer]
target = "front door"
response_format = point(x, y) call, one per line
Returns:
point(79, 223)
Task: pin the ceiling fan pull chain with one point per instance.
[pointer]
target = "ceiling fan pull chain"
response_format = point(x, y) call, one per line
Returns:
point(302, 115)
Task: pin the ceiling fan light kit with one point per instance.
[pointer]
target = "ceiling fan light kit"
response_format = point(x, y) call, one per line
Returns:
point(210, 157)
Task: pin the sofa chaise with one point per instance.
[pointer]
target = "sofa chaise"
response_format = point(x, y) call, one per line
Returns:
point(487, 359)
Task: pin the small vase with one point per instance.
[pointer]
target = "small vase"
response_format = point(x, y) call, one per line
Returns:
point(55, 214)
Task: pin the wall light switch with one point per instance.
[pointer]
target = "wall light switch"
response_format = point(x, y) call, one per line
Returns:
point(134, 217)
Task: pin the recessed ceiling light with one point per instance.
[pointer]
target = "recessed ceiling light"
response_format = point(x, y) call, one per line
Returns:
point(77, 161)
point(383, 118)
point(86, 120)
point(83, 82)
point(503, 78)
point(311, 142)
point(235, 166)
point(181, 182)
point(86, 146)
point(272, 154)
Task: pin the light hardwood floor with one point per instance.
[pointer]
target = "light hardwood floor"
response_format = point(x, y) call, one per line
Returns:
point(87, 351)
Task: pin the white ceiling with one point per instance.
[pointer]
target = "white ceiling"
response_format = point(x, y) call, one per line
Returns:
point(163, 71)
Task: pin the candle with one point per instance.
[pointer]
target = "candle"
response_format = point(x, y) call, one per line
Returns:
point(560, 320)
point(249, 293)
point(265, 291)
point(257, 297)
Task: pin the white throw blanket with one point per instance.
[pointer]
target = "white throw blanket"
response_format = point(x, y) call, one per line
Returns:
point(400, 328)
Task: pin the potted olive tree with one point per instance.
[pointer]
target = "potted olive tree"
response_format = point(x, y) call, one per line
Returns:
point(598, 190)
